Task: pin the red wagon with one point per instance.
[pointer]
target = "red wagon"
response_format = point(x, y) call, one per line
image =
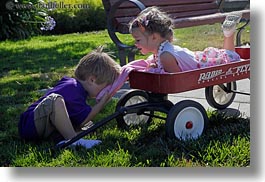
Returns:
point(188, 118)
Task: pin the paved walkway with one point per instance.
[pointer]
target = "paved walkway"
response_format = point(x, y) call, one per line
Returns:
point(240, 105)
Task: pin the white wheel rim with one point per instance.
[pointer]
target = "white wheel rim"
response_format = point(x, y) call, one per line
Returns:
point(220, 96)
point(134, 119)
point(189, 124)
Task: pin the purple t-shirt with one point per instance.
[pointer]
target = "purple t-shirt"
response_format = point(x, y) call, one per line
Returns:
point(75, 97)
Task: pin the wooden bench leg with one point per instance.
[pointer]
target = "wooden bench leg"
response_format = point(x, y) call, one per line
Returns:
point(126, 53)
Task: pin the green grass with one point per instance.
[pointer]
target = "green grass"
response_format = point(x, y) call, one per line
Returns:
point(28, 66)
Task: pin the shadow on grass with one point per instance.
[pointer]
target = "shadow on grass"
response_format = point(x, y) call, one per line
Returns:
point(23, 73)
point(151, 147)
point(143, 146)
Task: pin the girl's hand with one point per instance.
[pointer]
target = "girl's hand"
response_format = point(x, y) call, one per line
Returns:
point(105, 99)
point(152, 65)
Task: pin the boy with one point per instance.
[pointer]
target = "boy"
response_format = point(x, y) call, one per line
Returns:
point(63, 109)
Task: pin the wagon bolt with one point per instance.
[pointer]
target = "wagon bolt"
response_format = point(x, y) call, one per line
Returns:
point(189, 125)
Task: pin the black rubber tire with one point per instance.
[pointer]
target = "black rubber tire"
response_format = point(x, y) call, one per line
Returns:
point(132, 119)
point(186, 120)
point(215, 92)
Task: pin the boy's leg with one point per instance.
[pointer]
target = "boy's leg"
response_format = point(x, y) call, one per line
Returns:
point(229, 28)
point(61, 119)
point(51, 115)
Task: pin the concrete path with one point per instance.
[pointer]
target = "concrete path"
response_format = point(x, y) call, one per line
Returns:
point(239, 107)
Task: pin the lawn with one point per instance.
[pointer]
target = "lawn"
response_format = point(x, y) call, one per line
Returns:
point(29, 66)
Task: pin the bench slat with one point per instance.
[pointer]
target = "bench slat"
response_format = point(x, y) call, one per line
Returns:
point(161, 2)
point(182, 21)
point(205, 19)
point(132, 12)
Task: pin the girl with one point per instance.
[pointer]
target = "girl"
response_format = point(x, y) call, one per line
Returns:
point(153, 33)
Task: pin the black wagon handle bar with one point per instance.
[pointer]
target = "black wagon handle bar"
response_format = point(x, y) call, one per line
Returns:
point(91, 129)
point(122, 111)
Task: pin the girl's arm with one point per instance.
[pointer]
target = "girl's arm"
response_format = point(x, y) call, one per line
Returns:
point(169, 63)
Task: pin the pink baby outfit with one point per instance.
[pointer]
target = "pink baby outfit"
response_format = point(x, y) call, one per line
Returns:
point(189, 60)
point(213, 56)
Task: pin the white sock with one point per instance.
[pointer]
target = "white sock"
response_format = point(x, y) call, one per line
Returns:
point(86, 143)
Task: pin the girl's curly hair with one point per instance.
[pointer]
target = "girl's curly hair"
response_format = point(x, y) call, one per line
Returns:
point(153, 20)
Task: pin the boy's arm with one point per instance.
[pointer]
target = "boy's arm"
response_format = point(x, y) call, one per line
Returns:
point(96, 109)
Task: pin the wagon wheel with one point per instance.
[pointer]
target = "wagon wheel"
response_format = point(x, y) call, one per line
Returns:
point(130, 98)
point(186, 120)
point(220, 98)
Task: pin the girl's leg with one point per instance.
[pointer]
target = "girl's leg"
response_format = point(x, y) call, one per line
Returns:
point(62, 121)
point(229, 28)
point(229, 43)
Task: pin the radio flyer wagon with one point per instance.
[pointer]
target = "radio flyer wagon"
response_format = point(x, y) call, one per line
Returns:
point(186, 119)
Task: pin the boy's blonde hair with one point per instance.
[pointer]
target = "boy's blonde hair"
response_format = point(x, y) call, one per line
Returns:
point(98, 64)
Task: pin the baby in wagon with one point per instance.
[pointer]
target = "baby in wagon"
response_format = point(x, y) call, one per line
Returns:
point(153, 33)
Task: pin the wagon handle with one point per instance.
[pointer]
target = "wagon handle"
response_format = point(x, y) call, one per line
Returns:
point(91, 129)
